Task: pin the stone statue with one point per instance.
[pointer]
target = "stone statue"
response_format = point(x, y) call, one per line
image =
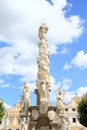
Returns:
point(43, 63)
point(53, 117)
point(60, 100)
point(43, 93)
point(42, 31)
point(43, 78)
point(25, 101)
point(64, 124)
point(68, 124)
point(25, 123)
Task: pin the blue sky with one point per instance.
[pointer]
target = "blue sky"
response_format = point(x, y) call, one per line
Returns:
point(19, 23)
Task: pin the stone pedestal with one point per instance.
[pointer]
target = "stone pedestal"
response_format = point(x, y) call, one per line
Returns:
point(32, 125)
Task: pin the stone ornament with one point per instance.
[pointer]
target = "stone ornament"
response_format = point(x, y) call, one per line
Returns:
point(25, 99)
point(43, 93)
point(53, 117)
point(60, 102)
point(35, 114)
point(43, 116)
point(42, 31)
point(43, 108)
point(51, 114)
point(24, 123)
point(43, 76)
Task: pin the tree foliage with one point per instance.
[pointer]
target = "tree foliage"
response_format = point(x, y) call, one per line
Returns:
point(82, 110)
point(2, 109)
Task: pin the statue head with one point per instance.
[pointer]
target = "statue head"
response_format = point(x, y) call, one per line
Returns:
point(59, 91)
point(25, 88)
point(44, 28)
point(51, 114)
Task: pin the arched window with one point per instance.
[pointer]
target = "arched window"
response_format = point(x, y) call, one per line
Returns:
point(17, 129)
point(11, 120)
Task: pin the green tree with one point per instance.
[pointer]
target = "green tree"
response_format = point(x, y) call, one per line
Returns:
point(2, 109)
point(82, 110)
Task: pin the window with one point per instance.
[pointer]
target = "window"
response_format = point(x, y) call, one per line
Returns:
point(17, 129)
point(11, 121)
point(73, 109)
point(74, 120)
point(66, 109)
point(0, 122)
point(9, 129)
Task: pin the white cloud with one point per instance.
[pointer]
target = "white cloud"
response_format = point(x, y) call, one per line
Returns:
point(54, 85)
point(19, 22)
point(80, 61)
point(68, 96)
point(64, 51)
point(7, 106)
point(82, 90)
point(67, 66)
point(66, 83)
point(79, 92)
point(1, 81)
point(4, 85)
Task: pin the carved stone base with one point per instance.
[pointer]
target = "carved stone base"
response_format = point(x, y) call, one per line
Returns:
point(43, 108)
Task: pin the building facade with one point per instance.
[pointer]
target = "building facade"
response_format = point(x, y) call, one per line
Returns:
point(72, 115)
point(12, 116)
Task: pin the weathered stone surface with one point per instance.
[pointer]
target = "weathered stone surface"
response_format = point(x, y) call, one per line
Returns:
point(24, 123)
point(44, 128)
point(43, 108)
point(25, 99)
point(35, 114)
point(60, 102)
point(43, 116)
point(43, 76)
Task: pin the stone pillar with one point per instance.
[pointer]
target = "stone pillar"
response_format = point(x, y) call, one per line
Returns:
point(43, 75)
point(38, 96)
point(32, 125)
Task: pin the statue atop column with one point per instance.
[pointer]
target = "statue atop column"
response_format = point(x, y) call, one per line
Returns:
point(42, 32)
point(43, 78)
point(25, 99)
point(42, 116)
point(60, 102)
